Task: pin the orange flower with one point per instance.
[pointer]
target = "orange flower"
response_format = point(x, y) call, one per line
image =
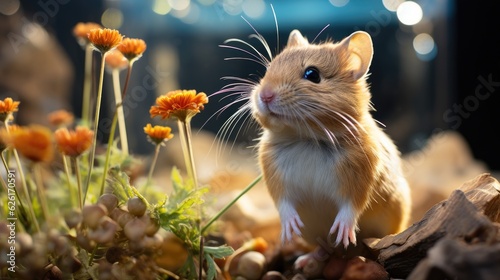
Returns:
point(82, 29)
point(116, 60)
point(7, 107)
point(158, 134)
point(61, 118)
point(33, 142)
point(104, 39)
point(73, 143)
point(182, 104)
point(132, 48)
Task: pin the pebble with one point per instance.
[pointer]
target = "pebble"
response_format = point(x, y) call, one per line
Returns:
point(359, 268)
point(251, 265)
point(334, 268)
point(273, 275)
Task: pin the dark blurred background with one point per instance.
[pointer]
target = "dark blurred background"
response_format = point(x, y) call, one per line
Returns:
point(435, 67)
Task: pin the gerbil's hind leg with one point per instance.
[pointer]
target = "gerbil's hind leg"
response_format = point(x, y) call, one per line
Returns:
point(346, 225)
point(290, 221)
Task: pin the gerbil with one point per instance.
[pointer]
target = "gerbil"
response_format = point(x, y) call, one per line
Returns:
point(333, 173)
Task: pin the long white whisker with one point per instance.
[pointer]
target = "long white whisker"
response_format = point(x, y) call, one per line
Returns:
point(349, 122)
point(379, 122)
point(260, 38)
point(277, 30)
point(320, 33)
point(260, 58)
point(229, 126)
point(223, 108)
point(264, 43)
point(245, 58)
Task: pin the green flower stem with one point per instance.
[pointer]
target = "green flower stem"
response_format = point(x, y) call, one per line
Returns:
point(92, 255)
point(223, 210)
point(4, 184)
point(108, 151)
point(68, 178)
point(87, 84)
point(121, 116)
point(153, 164)
point(37, 172)
point(23, 181)
point(74, 162)
point(187, 148)
point(96, 125)
point(167, 272)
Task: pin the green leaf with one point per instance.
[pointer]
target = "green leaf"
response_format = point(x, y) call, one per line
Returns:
point(211, 267)
point(218, 252)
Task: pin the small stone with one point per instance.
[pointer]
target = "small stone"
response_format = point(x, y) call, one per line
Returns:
point(105, 232)
point(273, 275)
point(136, 206)
point(299, 277)
point(73, 218)
point(135, 229)
point(93, 213)
point(251, 265)
point(52, 272)
point(109, 200)
point(334, 268)
point(359, 268)
point(25, 243)
point(172, 254)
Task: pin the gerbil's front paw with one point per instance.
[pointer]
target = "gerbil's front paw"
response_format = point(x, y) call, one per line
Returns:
point(290, 222)
point(345, 225)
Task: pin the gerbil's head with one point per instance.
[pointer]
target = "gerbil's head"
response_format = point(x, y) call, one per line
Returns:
point(315, 88)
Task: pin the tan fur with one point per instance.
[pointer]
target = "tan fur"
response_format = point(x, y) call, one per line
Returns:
point(356, 166)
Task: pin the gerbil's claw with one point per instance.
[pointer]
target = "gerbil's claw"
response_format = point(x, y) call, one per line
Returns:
point(292, 225)
point(290, 222)
point(346, 231)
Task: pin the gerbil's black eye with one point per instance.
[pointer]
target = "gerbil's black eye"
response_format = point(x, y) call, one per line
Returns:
point(312, 74)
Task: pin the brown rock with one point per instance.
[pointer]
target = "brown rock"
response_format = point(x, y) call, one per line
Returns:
point(273, 275)
point(359, 268)
point(334, 268)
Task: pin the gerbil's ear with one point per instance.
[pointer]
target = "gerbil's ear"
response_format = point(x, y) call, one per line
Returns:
point(360, 48)
point(296, 39)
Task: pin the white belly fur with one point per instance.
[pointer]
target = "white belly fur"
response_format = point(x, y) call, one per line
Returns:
point(314, 194)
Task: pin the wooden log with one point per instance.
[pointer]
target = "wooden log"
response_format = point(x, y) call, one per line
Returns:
point(455, 259)
point(454, 218)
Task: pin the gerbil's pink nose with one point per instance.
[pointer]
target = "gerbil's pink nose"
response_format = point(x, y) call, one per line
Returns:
point(266, 95)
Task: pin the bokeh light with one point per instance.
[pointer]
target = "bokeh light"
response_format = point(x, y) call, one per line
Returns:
point(409, 13)
point(179, 5)
point(392, 5)
point(425, 46)
point(339, 3)
point(161, 7)
point(112, 18)
point(254, 8)
point(9, 7)
point(232, 7)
